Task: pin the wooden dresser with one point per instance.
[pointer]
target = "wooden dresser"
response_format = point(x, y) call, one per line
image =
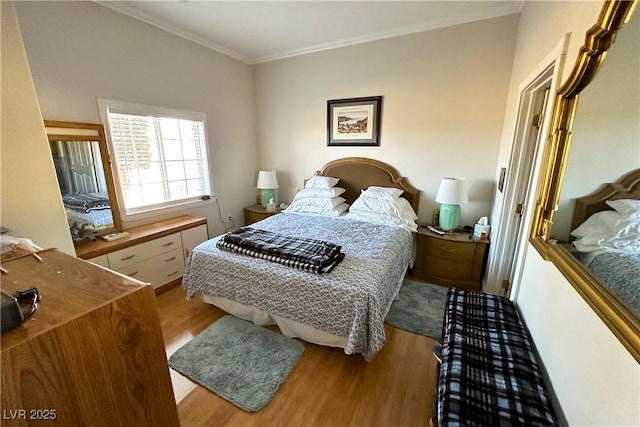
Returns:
point(154, 253)
point(451, 259)
point(91, 355)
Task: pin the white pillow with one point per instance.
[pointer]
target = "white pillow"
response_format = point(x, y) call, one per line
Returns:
point(323, 203)
point(381, 191)
point(321, 210)
point(318, 181)
point(600, 222)
point(386, 211)
point(623, 236)
point(308, 193)
point(626, 207)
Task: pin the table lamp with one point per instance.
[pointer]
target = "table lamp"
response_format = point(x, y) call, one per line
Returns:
point(451, 194)
point(267, 183)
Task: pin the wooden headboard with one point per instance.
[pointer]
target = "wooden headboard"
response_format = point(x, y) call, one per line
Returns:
point(359, 173)
point(627, 187)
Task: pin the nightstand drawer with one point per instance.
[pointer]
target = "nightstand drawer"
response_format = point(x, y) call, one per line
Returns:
point(450, 250)
point(447, 269)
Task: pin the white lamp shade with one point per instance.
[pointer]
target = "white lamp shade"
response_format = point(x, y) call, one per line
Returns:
point(452, 191)
point(267, 180)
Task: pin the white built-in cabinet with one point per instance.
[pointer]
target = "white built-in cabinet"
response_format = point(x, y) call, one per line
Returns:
point(155, 253)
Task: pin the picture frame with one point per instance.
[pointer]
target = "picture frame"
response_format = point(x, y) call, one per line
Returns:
point(354, 121)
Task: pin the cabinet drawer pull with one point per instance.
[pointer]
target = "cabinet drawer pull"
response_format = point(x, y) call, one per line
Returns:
point(168, 244)
point(127, 257)
point(172, 274)
point(446, 268)
point(447, 250)
point(170, 259)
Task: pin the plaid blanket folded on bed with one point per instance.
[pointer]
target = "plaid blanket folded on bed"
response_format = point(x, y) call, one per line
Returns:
point(489, 374)
point(86, 202)
point(312, 255)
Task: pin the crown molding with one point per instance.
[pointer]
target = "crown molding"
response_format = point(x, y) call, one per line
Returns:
point(493, 11)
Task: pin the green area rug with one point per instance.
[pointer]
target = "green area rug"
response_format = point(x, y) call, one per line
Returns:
point(419, 308)
point(239, 361)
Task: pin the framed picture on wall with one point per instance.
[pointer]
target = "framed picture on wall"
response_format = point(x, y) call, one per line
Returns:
point(354, 121)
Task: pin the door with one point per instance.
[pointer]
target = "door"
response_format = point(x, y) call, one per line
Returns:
point(534, 140)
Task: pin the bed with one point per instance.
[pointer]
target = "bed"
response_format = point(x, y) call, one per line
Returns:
point(344, 308)
point(606, 229)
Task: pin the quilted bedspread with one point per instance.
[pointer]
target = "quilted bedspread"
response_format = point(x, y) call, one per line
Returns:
point(620, 273)
point(351, 301)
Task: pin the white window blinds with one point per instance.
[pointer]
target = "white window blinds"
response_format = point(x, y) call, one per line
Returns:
point(160, 155)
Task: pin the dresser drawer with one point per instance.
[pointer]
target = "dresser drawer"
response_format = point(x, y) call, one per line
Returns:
point(448, 269)
point(143, 251)
point(159, 270)
point(450, 250)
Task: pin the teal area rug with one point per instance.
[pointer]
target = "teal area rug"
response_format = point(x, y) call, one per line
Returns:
point(419, 308)
point(239, 361)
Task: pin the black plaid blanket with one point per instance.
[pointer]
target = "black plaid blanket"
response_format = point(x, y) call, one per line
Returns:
point(489, 375)
point(312, 255)
point(86, 202)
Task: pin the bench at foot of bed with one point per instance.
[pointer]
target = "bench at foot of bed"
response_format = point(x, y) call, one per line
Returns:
point(489, 371)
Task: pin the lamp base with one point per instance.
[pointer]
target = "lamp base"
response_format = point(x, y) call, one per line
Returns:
point(449, 217)
point(266, 195)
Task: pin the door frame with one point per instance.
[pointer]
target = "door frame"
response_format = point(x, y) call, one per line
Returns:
point(508, 248)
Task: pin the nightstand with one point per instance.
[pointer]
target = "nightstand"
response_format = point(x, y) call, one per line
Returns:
point(451, 259)
point(257, 213)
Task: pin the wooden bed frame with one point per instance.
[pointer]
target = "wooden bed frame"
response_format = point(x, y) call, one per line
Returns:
point(627, 187)
point(359, 173)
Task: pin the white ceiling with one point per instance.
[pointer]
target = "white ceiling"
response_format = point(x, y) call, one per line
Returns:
point(261, 31)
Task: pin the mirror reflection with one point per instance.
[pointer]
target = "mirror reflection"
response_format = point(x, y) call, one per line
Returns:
point(82, 168)
point(605, 236)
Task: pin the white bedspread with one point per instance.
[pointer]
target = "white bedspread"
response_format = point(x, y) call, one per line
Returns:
point(351, 301)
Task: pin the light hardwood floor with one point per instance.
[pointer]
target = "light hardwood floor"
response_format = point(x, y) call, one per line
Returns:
point(325, 388)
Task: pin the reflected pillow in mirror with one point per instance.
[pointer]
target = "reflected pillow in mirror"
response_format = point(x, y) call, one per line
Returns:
point(624, 236)
point(626, 207)
point(601, 222)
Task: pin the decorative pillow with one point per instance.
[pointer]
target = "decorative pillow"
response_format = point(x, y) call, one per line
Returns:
point(626, 207)
point(600, 222)
point(318, 181)
point(374, 191)
point(312, 193)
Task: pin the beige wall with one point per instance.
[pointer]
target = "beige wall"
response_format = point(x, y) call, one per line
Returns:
point(444, 99)
point(79, 51)
point(31, 204)
point(596, 379)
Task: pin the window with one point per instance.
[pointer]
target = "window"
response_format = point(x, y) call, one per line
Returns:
point(159, 155)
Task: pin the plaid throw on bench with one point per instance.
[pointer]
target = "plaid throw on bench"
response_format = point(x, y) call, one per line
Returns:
point(312, 255)
point(489, 374)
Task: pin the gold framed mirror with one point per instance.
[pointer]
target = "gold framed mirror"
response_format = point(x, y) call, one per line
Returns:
point(83, 168)
point(617, 312)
